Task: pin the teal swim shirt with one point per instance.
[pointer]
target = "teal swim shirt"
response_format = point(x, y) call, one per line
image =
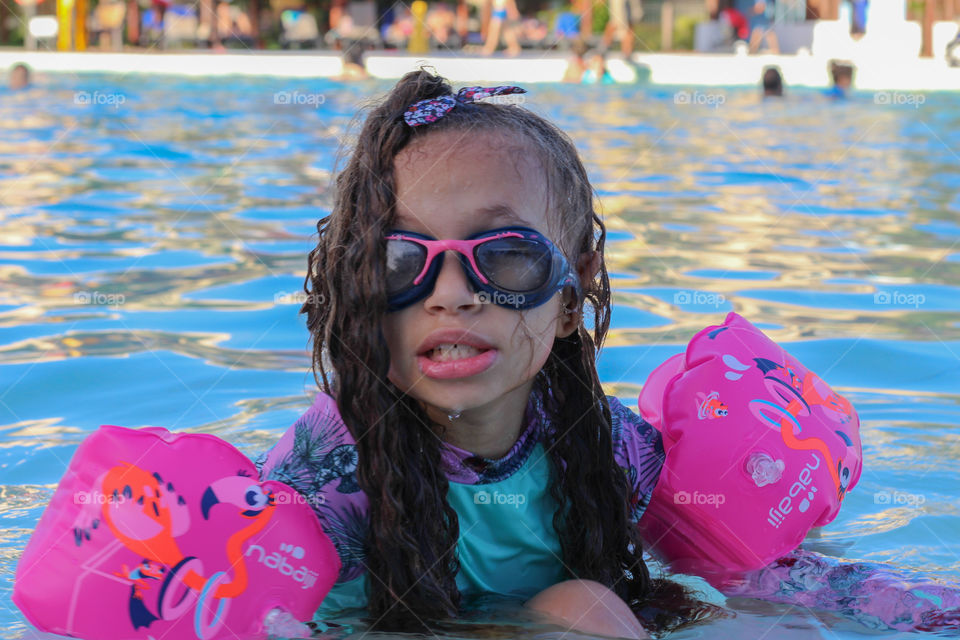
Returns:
point(507, 543)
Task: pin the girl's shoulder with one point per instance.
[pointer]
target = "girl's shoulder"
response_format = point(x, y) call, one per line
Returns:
point(318, 431)
point(317, 456)
point(630, 429)
point(638, 450)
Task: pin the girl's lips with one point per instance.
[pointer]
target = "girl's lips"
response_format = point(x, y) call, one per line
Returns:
point(460, 368)
point(450, 336)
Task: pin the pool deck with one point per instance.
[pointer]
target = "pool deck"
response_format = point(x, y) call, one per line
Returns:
point(676, 69)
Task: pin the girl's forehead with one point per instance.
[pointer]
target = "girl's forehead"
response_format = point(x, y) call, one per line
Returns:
point(470, 146)
point(458, 227)
point(460, 221)
point(498, 214)
point(447, 188)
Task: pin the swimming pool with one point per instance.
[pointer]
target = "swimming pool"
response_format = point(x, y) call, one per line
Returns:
point(153, 239)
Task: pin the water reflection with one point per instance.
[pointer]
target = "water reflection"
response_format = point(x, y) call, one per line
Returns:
point(158, 247)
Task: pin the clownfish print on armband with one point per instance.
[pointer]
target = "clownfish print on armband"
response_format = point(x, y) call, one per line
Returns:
point(709, 406)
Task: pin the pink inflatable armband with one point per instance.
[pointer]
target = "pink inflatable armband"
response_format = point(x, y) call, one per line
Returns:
point(158, 534)
point(758, 451)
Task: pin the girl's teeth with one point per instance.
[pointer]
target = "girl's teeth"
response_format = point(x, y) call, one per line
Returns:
point(447, 352)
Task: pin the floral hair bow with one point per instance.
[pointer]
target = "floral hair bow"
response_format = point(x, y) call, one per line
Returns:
point(432, 109)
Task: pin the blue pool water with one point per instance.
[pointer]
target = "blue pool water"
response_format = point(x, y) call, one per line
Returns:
point(151, 255)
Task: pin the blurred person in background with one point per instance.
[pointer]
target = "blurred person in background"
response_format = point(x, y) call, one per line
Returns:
point(504, 21)
point(398, 33)
point(953, 52)
point(761, 27)
point(576, 65)
point(234, 26)
point(624, 16)
point(858, 24)
point(841, 74)
point(19, 77)
point(596, 69)
point(737, 22)
point(353, 65)
point(441, 22)
point(772, 83)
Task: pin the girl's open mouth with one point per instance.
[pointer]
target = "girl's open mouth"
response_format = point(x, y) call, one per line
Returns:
point(450, 352)
point(455, 360)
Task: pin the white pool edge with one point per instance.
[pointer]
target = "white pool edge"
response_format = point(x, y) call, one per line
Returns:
point(676, 69)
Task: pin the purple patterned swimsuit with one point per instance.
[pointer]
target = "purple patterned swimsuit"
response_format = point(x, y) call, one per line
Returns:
point(873, 594)
point(318, 457)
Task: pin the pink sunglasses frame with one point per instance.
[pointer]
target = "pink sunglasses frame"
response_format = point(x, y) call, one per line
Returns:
point(463, 247)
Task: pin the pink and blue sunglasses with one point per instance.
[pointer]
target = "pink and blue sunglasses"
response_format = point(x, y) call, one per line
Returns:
point(513, 267)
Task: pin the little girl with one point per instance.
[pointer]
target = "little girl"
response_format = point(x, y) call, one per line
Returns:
point(445, 301)
point(462, 443)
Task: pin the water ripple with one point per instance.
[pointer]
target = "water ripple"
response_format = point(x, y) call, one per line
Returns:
point(152, 255)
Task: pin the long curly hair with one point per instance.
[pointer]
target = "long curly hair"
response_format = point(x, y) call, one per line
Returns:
point(412, 536)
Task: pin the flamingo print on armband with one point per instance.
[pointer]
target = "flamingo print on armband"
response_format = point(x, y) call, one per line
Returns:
point(147, 516)
point(154, 534)
point(793, 392)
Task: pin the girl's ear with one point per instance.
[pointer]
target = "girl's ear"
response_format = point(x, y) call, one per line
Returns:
point(587, 268)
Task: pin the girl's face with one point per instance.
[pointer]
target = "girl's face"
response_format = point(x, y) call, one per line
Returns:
point(452, 185)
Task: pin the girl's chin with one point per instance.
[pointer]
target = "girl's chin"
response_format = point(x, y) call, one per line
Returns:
point(458, 401)
point(441, 403)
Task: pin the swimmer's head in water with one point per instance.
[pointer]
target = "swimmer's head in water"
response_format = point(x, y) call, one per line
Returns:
point(412, 528)
point(842, 74)
point(772, 82)
point(19, 76)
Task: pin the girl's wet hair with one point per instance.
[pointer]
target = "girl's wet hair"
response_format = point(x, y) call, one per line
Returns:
point(412, 535)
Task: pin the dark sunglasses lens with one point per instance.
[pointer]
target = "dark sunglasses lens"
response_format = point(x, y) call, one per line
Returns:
point(404, 263)
point(515, 264)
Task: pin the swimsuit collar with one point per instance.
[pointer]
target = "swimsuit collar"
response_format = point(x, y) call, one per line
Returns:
point(465, 467)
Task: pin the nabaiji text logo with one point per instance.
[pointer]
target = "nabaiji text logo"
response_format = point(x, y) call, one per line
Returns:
point(778, 514)
point(278, 560)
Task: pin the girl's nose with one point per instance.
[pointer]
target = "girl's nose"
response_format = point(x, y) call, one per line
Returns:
point(452, 291)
